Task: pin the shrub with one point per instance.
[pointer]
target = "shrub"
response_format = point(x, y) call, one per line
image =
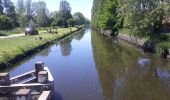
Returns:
point(5, 23)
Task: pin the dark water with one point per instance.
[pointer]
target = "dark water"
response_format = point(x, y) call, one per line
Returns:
point(89, 66)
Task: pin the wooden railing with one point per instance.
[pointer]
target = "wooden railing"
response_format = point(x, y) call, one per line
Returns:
point(39, 80)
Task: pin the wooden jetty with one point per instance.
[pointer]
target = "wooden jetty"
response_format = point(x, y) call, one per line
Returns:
point(34, 85)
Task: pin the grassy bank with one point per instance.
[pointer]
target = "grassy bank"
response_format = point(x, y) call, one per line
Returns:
point(11, 32)
point(14, 48)
point(159, 43)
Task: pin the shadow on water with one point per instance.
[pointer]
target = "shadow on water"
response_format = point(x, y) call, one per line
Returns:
point(127, 73)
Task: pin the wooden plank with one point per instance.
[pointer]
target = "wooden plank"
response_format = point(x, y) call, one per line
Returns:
point(45, 95)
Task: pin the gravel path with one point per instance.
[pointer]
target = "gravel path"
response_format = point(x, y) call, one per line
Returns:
point(12, 36)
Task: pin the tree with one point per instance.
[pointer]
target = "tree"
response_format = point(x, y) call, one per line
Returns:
point(65, 12)
point(63, 16)
point(41, 13)
point(87, 22)
point(20, 9)
point(1, 7)
point(5, 22)
point(11, 13)
point(79, 18)
point(28, 10)
point(96, 12)
point(104, 14)
point(71, 22)
point(146, 18)
point(108, 16)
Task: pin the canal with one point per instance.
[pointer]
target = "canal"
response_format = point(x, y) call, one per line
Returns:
point(89, 66)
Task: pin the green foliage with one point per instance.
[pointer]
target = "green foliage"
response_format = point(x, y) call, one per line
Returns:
point(20, 10)
point(57, 22)
point(35, 13)
point(65, 12)
point(5, 23)
point(41, 14)
point(140, 16)
point(79, 18)
point(143, 19)
point(7, 8)
point(63, 16)
point(71, 22)
point(1, 7)
point(28, 10)
point(96, 12)
point(164, 45)
point(104, 14)
point(11, 32)
point(108, 16)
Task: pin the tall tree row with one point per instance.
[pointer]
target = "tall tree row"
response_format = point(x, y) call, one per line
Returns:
point(26, 13)
point(64, 18)
point(141, 16)
point(41, 14)
point(35, 13)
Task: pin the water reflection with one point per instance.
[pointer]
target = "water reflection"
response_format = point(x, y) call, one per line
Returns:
point(120, 71)
point(80, 36)
point(45, 52)
point(144, 61)
point(65, 44)
point(127, 73)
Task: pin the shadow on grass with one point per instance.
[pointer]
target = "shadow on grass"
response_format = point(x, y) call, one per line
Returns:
point(3, 34)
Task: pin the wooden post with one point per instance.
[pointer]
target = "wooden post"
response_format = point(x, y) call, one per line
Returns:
point(4, 79)
point(39, 66)
point(43, 77)
point(23, 94)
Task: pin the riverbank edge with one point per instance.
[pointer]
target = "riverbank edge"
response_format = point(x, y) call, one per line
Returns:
point(36, 49)
point(142, 43)
point(146, 45)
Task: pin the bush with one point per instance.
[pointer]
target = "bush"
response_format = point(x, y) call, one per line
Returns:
point(5, 23)
point(163, 49)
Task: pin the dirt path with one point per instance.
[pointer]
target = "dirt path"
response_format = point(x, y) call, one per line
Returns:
point(12, 36)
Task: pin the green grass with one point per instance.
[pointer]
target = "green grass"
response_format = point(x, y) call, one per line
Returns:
point(11, 32)
point(125, 31)
point(14, 47)
point(164, 45)
point(161, 41)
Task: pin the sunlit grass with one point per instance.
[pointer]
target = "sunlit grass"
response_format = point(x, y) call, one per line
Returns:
point(13, 47)
point(11, 32)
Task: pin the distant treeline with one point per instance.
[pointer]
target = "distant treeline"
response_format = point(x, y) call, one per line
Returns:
point(26, 13)
point(140, 16)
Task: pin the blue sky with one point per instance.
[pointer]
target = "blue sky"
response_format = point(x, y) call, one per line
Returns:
point(83, 6)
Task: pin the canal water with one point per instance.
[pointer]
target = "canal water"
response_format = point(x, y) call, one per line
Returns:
point(89, 66)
